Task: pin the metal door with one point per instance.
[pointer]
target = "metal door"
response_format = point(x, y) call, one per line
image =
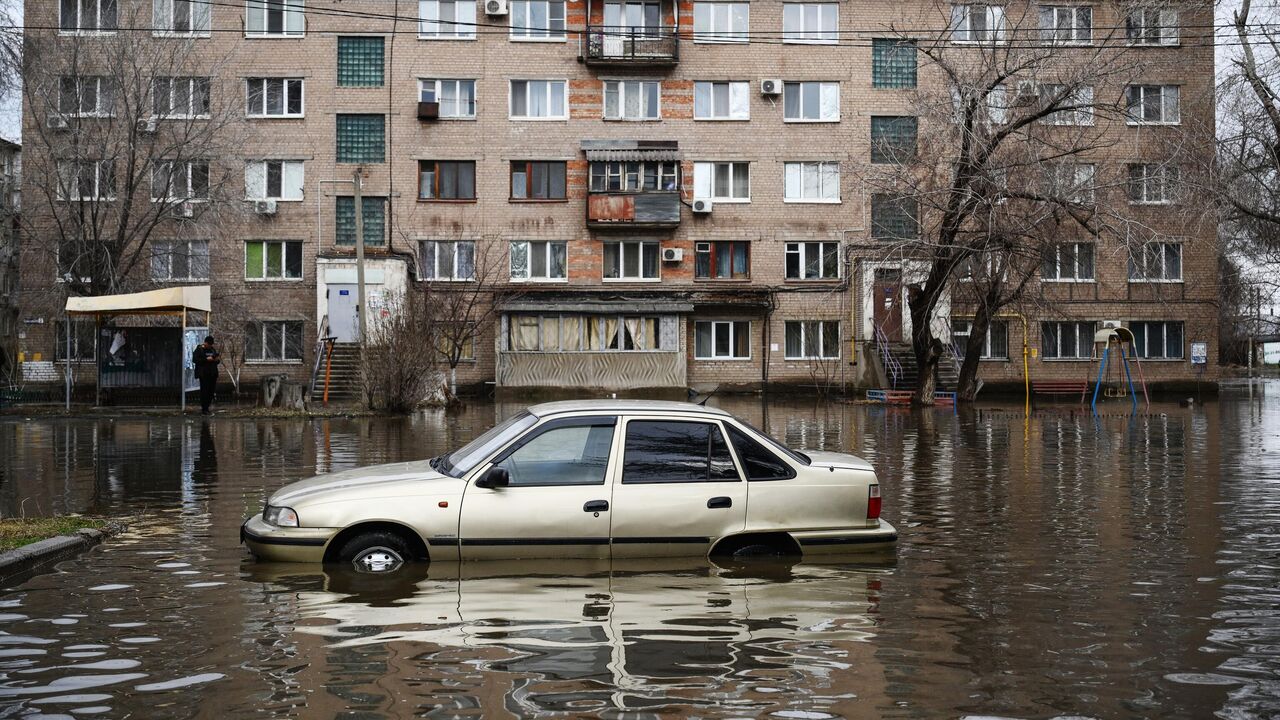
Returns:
point(344, 307)
point(886, 301)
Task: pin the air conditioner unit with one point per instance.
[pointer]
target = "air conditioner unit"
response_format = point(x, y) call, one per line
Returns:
point(184, 210)
point(702, 206)
point(495, 7)
point(672, 254)
point(1111, 324)
point(148, 126)
point(428, 110)
point(264, 207)
point(771, 87)
point(56, 122)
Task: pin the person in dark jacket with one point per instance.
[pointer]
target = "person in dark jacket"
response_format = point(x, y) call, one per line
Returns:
point(205, 358)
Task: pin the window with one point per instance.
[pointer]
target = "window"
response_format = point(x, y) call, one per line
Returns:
point(539, 100)
point(361, 139)
point(893, 63)
point(977, 23)
point(567, 452)
point(722, 340)
point(1072, 262)
point(722, 260)
point(457, 339)
point(758, 461)
point(275, 18)
point(180, 17)
point(87, 15)
point(274, 97)
point(537, 19)
point(812, 182)
point(813, 261)
point(633, 20)
point(1152, 104)
point(447, 19)
point(273, 180)
point(273, 260)
point(1152, 183)
point(991, 108)
point(86, 180)
point(180, 97)
point(811, 101)
point(457, 98)
point(1066, 24)
point(1069, 182)
point(726, 182)
point(1157, 340)
point(447, 260)
point(894, 217)
point(631, 261)
point(534, 180)
point(810, 23)
point(812, 339)
point(182, 180)
point(994, 347)
point(446, 180)
point(83, 334)
point(670, 451)
point(1152, 26)
point(634, 176)
point(582, 333)
point(273, 341)
point(374, 212)
point(360, 61)
point(721, 21)
point(1075, 105)
point(1156, 262)
point(1066, 340)
point(721, 100)
point(86, 96)
point(539, 260)
point(179, 260)
point(631, 100)
point(893, 139)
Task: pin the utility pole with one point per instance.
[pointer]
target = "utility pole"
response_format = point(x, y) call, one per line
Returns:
point(360, 299)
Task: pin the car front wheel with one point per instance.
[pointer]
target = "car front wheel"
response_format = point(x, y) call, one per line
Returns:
point(376, 553)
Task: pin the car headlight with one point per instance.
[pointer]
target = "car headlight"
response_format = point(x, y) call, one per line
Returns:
point(280, 516)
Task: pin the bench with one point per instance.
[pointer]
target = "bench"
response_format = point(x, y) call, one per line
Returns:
point(1061, 387)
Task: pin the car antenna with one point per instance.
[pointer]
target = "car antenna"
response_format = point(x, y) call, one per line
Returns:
point(704, 400)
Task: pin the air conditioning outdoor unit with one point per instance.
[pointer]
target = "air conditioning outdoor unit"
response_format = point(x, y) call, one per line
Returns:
point(428, 110)
point(495, 7)
point(264, 207)
point(148, 126)
point(56, 122)
point(702, 206)
point(184, 210)
point(1111, 324)
point(771, 87)
point(672, 254)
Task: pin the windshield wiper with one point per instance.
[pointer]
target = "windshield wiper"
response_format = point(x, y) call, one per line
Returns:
point(435, 462)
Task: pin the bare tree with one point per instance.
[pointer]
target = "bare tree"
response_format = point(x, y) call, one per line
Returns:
point(398, 369)
point(1249, 150)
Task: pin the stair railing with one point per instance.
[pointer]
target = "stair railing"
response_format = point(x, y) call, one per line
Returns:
point(891, 364)
point(323, 351)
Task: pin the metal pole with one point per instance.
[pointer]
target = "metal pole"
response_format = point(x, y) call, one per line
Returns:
point(1102, 366)
point(360, 303)
point(97, 361)
point(67, 357)
point(182, 363)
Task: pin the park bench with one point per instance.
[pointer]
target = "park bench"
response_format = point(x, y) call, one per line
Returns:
point(1061, 387)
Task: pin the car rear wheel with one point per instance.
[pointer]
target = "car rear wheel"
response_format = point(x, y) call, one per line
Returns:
point(375, 553)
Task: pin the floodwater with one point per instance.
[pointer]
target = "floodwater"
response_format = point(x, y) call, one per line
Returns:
point(1061, 565)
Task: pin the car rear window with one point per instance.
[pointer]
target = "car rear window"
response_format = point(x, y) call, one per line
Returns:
point(758, 461)
point(674, 451)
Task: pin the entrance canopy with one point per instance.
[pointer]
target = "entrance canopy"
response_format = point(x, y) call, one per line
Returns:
point(166, 301)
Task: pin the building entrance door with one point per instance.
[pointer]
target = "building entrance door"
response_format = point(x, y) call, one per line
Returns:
point(886, 301)
point(344, 305)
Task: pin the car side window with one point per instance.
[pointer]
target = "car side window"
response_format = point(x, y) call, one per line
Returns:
point(758, 462)
point(675, 451)
point(571, 452)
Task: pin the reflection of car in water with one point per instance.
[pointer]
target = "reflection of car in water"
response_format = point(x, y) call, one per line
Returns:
point(583, 479)
point(626, 629)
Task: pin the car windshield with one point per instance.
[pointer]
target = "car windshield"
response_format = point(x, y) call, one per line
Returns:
point(461, 461)
point(793, 454)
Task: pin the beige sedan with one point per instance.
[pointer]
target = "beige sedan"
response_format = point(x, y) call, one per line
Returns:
point(585, 479)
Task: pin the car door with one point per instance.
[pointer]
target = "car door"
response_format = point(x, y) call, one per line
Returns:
point(557, 503)
point(676, 488)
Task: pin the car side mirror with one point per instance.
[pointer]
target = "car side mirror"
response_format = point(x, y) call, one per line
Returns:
point(493, 478)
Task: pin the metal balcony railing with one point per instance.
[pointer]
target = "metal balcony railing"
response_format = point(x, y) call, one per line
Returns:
point(627, 45)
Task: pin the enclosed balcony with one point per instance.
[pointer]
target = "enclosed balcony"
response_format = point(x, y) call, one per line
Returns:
point(633, 184)
point(631, 34)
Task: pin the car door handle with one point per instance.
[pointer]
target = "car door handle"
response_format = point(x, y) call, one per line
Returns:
point(719, 502)
point(595, 506)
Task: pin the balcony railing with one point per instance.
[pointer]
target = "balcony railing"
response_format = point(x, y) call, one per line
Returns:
point(606, 45)
point(619, 210)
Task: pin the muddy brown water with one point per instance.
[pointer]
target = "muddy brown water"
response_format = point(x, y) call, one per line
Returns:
point(1061, 565)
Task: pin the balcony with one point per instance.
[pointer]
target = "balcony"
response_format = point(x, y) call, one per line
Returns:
point(654, 209)
point(621, 46)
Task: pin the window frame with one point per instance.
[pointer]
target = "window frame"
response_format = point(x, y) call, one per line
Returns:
point(805, 327)
point(744, 86)
point(622, 95)
point(1135, 34)
point(592, 421)
point(712, 425)
point(585, 326)
point(286, 7)
point(99, 82)
point(435, 261)
point(644, 245)
point(821, 87)
point(437, 175)
point(285, 246)
point(605, 171)
point(1084, 331)
point(284, 95)
point(1081, 177)
point(1080, 112)
point(987, 354)
point(548, 250)
point(436, 92)
point(1167, 175)
point(714, 167)
point(806, 35)
point(1075, 276)
point(1164, 254)
point(511, 98)
point(191, 82)
point(712, 250)
point(284, 359)
point(538, 34)
point(561, 165)
point(266, 194)
point(98, 29)
point(818, 166)
point(715, 36)
point(735, 327)
point(994, 19)
point(100, 178)
point(171, 244)
point(1146, 326)
point(462, 29)
point(799, 250)
point(1054, 12)
point(1138, 92)
point(156, 20)
point(188, 166)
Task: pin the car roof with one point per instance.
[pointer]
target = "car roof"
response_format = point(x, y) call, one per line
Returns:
point(622, 406)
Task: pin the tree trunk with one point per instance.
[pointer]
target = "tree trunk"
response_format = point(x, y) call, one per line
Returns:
point(453, 381)
point(926, 347)
point(967, 383)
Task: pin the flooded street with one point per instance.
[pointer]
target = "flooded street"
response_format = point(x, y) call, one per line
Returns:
point(1059, 565)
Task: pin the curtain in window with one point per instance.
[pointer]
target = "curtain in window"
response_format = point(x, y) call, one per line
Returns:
point(550, 333)
point(571, 333)
point(524, 333)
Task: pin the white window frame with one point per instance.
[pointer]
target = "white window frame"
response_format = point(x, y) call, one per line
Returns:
point(730, 326)
point(80, 30)
point(191, 83)
point(622, 92)
point(437, 86)
point(803, 34)
point(1061, 273)
point(81, 81)
point(459, 28)
point(1055, 20)
point(1085, 350)
point(1167, 107)
point(741, 89)
point(798, 248)
point(986, 353)
point(285, 83)
point(801, 168)
point(186, 166)
point(294, 10)
point(530, 33)
point(256, 174)
point(1167, 28)
point(166, 258)
point(1164, 335)
point(804, 331)
point(64, 166)
point(1155, 256)
point(284, 344)
point(527, 250)
point(824, 88)
point(1073, 181)
point(639, 262)
point(162, 19)
point(713, 21)
point(995, 31)
point(705, 173)
point(284, 261)
point(511, 98)
point(453, 272)
point(1165, 177)
point(1079, 101)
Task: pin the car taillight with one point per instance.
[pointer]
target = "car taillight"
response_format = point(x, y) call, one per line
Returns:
point(873, 502)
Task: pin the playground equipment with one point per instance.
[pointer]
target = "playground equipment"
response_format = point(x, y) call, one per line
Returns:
point(1109, 377)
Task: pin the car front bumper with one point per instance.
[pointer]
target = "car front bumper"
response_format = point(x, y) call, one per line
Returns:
point(281, 544)
point(871, 539)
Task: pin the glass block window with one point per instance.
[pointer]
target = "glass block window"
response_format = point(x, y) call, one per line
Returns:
point(361, 139)
point(893, 217)
point(360, 62)
point(893, 63)
point(375, 220)
point(893, 139)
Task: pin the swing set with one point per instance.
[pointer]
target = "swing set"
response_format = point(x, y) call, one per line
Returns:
point(1111, 383)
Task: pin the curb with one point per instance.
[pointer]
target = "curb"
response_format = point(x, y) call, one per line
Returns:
point(20, 564)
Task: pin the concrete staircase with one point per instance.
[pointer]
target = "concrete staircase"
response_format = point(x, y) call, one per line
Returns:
point(906, 359)
point(344, 376)
point(948, 370)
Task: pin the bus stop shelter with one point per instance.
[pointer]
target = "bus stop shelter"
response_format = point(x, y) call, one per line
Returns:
point(166, 302)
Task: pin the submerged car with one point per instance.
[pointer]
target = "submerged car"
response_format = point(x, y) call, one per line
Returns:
point(583, 479)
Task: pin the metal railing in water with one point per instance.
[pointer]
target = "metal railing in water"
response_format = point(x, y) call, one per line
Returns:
point(891, 364)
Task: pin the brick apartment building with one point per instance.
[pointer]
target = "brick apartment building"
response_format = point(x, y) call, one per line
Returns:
point(669, 191)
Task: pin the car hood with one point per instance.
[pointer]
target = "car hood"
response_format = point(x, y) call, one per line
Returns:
point(839, 461)
point(323, 488)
